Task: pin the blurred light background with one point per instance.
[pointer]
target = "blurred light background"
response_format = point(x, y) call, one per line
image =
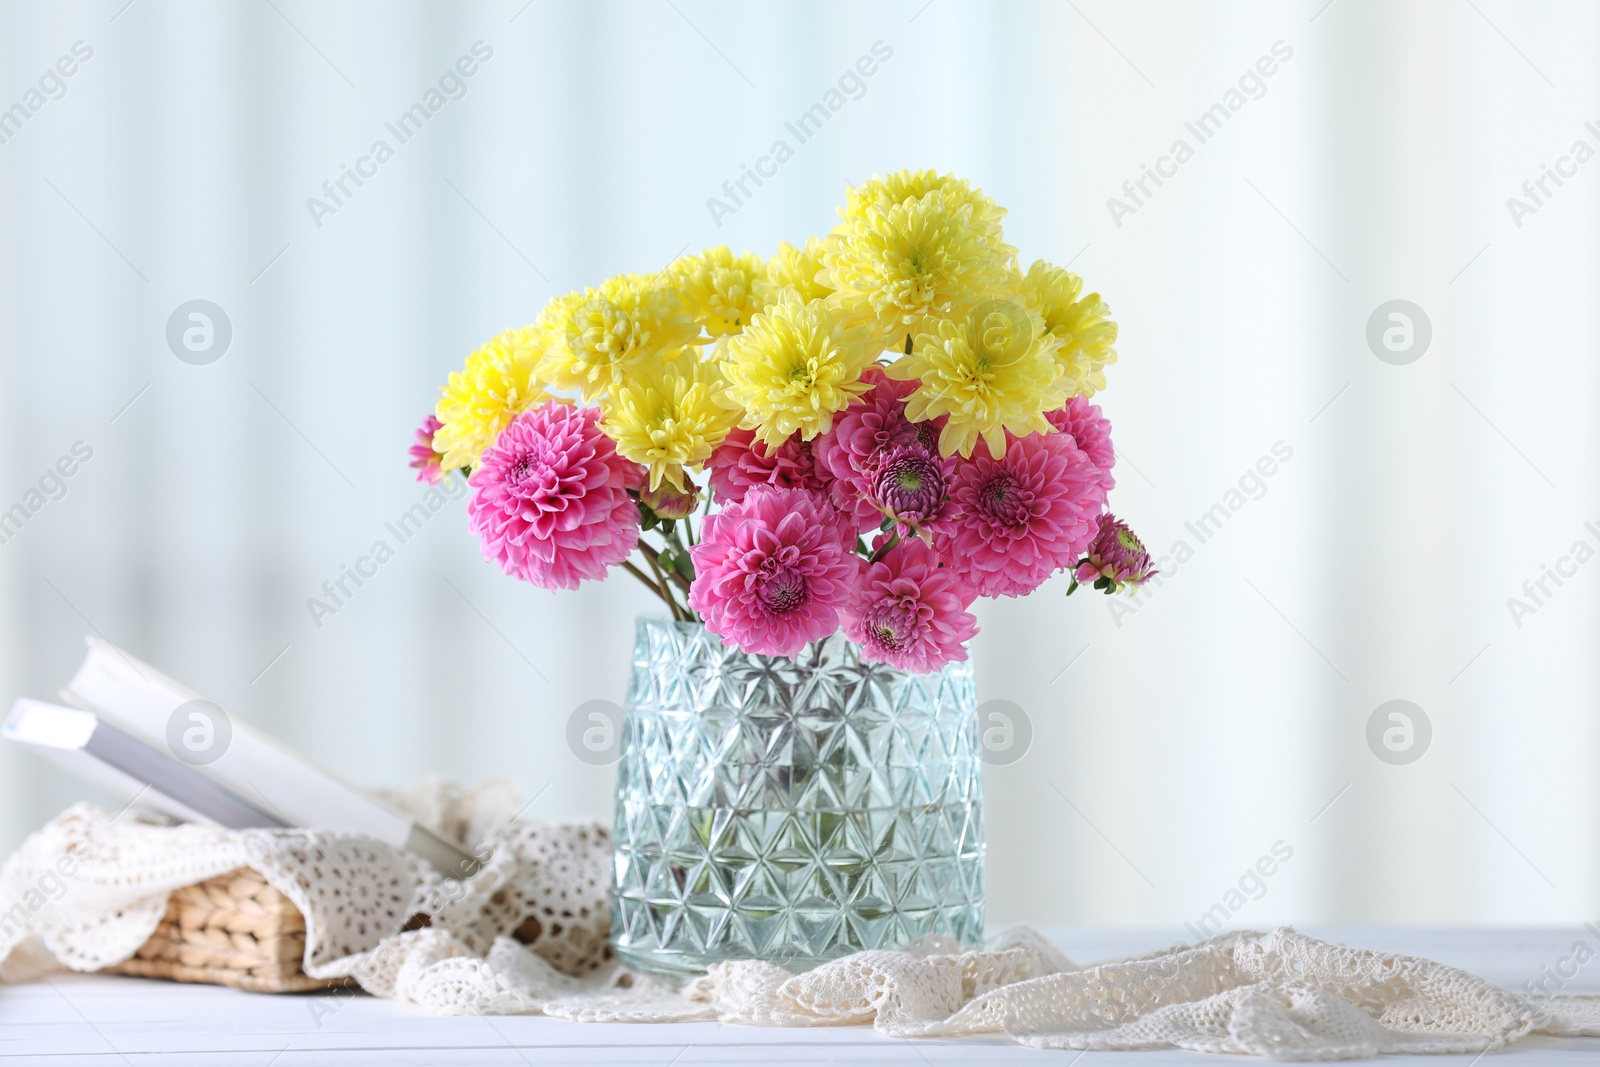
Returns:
point(1175, 740)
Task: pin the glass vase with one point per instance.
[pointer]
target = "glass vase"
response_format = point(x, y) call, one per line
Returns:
point(791, 810)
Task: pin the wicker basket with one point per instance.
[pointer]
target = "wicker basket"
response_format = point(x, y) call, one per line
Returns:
point(236, 930)
point(233, 930)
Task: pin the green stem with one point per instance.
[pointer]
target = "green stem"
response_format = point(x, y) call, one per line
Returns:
point(883, 549)
point(653, 556)
point(661, 585)
point(654, 587)
point(682, 539)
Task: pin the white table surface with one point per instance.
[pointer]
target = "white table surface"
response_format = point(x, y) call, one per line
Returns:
point(105, 1020)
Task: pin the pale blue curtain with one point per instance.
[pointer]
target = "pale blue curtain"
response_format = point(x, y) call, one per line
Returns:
point(1221, 718)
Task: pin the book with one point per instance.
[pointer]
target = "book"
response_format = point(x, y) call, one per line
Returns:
point(165, 716)
point(113, 759)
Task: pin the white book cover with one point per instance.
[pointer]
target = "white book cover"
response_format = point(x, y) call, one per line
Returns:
point(242, 759)
point(107, 756)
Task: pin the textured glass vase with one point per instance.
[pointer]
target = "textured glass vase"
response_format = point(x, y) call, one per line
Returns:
point(791, 810)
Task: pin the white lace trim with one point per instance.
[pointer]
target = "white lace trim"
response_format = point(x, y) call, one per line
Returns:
point(87, 890)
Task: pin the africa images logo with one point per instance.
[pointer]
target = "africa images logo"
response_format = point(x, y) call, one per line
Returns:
point(452, 85)
point(1252, 85)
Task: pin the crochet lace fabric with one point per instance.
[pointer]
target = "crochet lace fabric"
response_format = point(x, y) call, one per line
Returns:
point(88, 889)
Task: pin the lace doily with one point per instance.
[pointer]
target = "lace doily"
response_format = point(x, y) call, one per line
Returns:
point(404, 932)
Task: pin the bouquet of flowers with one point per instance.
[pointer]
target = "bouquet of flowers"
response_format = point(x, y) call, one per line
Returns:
point(866, 431)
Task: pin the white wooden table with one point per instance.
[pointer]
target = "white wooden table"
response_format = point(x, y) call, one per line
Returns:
point(103, 1020)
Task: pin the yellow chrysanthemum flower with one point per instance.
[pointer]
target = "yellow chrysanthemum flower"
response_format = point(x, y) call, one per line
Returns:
point(994, 371)
point(667, 417)
point(598, 336)
point(719, 288)
point(1082, 323)
point(905, 185)
point(794, 268)
point(795, 366)
point(496, 385)
point(911, 264)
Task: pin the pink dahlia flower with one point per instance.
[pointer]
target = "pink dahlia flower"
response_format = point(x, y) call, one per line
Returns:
point(552, 503)
point(771, 572)
point(423, 457)
point(910, 485)
point(1116, 558)
point(909, 612)
point(1092, 433)
point(1019, 519)
point(874, 424)
point(741, 462)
